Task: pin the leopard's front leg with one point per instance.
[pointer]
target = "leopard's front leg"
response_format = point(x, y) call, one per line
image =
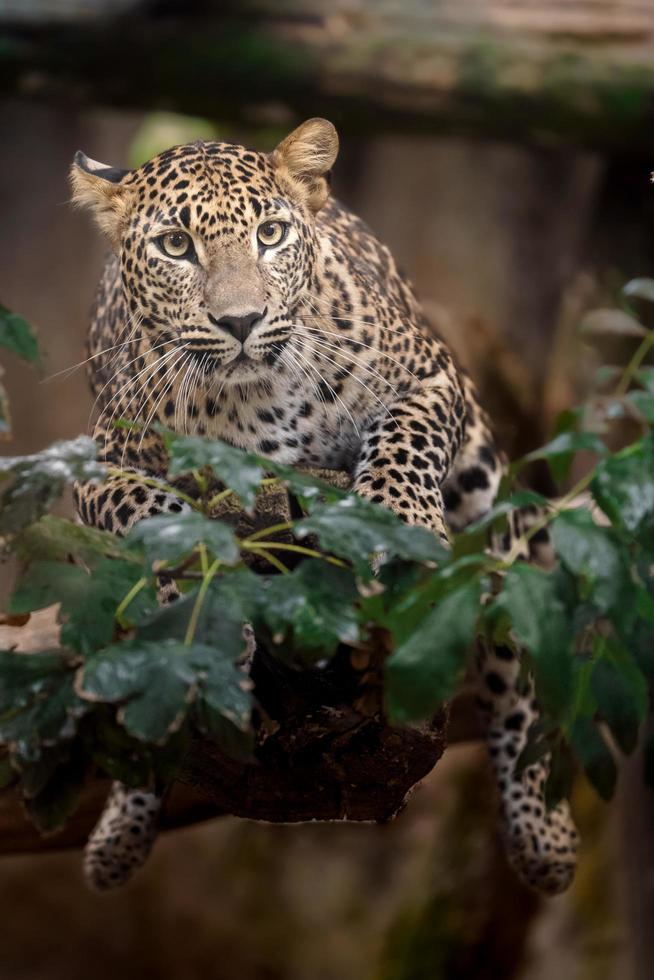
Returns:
point(408, 450)
point(133, 489)
point(127, 828)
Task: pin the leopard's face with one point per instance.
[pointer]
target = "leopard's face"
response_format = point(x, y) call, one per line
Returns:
point(218, 258)
point(217, 246)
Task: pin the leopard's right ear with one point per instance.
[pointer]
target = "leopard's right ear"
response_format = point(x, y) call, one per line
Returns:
point(101, 188)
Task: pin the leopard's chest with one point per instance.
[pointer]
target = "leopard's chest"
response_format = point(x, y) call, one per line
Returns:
point(289, 426)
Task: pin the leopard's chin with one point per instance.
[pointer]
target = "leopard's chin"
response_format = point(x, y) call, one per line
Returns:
point(242, 370)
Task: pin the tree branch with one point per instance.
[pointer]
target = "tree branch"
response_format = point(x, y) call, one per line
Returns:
point(323, 750)
point(565, 72)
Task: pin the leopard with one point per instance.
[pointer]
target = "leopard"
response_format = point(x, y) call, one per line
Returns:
point(242, 301)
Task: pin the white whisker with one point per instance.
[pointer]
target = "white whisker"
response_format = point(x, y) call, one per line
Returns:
point(148, 370)
point(366, 367)
point(121, 370)
point(324, 380)
point(355, 378)
point(188, 365)
point(359, 343)
point(167, 387)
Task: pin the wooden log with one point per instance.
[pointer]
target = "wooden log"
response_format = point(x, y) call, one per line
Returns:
point(320, 756)
point(572, 71)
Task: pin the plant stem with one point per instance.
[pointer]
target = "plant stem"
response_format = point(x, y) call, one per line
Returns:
point(273, 529)
point(548, 517)
point(204, 561)
point(149, 482)
point(218, 497)
point(223, 494)
point(297, 548)
point(201, 481)
point(275, 562)
point(133, 592)
point(195, 615)
point(638, 357)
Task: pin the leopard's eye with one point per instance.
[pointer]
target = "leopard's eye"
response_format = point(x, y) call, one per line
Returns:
point(177, 244)
point(272, 233)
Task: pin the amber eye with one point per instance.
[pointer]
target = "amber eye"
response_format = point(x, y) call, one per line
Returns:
point(177, 244)
point(271, 233)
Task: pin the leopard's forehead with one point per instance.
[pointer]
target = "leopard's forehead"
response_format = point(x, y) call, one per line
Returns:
point(206, 180)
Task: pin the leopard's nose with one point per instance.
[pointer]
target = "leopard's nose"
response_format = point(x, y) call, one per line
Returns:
point(240, 327)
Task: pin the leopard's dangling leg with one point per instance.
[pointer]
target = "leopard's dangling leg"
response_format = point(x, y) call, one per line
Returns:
point(541, 845)
point(123, 837)
point(127, 829)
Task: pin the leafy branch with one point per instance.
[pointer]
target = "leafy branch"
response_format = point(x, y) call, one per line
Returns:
point(133, 681)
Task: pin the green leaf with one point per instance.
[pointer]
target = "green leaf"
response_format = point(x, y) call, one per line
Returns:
point(88, 602)
point(639, 289)
point(241, 471)
point(535, 750)
point(223, 689)
point(50, 717)
point(233, 741)
point(171, 537)
point(46, 583)
point(613, 322)
point(624, 488)
point(540, 623)
point(231, 600)
point(91, 610)
point(17, 336)
point(558, 784)
point(356, 529)
point(621, 691)
point(560, 451)
point(645, 377)
point(50, 809)
point(475, 537)
point(595, 554)
point(55, 538)
point(156, 683)
point(309, 489)
point(585, 702)
point(117, 754)
point(568, 420)
point(37, 480)
point(594, 756)
point(316, 604)
point(23, 676)
point(425, 669)
point(643, 402)
point(641, 643)
point(167, 759)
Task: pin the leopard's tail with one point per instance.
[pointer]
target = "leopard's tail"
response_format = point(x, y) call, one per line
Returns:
point(541, 844)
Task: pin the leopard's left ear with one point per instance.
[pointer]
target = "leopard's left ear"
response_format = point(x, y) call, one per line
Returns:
point(100, 188)
point(307, 156)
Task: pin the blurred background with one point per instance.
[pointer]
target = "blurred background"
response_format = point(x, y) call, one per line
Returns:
point(502, 149)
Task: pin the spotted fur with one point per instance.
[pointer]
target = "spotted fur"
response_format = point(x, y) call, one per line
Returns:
point(123, 837)
point(314, 352)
